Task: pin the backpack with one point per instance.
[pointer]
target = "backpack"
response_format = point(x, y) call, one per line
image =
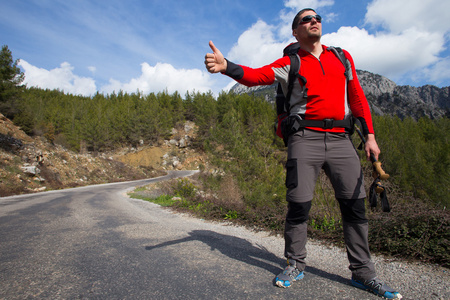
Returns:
point(282, 100)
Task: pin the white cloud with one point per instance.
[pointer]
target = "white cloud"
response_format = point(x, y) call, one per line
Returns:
point(396, 16)
point(409, 43)
point(163, 77)
point(152, 79)
point(263, 43)
point(257, 46)
point(439, 72)
point(61, 78)
point(385, 53)
point(314, 4)
point(401, 41)
point(92, 69)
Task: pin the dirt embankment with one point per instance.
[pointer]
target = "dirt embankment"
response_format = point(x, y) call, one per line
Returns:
point(31, 164)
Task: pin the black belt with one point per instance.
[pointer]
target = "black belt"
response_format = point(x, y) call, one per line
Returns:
point(294, 123)
point(325, 124)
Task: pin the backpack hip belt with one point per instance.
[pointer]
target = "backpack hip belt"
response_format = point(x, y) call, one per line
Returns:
point(294, 123)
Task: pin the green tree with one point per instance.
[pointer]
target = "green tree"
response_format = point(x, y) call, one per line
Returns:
point(204, 108)
point(10, 79)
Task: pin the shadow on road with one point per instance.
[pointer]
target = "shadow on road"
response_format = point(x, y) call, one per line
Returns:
point(244, 251)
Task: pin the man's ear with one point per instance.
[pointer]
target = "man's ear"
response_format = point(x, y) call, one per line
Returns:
point(294, 33)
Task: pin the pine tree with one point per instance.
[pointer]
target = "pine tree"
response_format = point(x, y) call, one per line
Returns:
point(10, 79)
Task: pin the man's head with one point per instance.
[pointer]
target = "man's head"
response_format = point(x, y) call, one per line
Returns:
point(307, 25)
point(296, 20)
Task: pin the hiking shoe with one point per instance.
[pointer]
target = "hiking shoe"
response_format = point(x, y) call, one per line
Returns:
point(377, 287)
point(289, 275)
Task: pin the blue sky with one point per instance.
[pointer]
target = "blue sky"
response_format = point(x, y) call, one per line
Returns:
point(85, 46)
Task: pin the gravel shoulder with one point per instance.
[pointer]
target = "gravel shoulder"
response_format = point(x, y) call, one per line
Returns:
point(412, 279)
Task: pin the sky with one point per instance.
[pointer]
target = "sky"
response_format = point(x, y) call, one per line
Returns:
point(83, 47)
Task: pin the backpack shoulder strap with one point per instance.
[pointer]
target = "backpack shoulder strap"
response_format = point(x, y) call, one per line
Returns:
point(294, 69)
point(291, 49)
point(340, 54)
point(283, 100)
point(294, 73)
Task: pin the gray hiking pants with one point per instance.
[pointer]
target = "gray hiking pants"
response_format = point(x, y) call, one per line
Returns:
point(308, 152)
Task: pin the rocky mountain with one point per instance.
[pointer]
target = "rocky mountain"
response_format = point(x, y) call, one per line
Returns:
point(384, 96)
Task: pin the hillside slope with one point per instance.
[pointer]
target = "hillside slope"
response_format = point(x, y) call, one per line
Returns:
point(31, 164)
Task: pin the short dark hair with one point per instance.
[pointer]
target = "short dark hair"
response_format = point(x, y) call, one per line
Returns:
point(297, 17)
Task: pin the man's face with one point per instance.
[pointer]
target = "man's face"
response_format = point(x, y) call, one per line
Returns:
point(309, 30)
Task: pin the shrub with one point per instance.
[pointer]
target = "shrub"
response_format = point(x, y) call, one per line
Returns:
point(414, 231)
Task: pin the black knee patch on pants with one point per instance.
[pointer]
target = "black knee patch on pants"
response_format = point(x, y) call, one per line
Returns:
point(298, 212)
point(353, 210)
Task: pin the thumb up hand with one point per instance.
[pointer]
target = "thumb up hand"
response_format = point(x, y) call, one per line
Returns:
point(215, 62)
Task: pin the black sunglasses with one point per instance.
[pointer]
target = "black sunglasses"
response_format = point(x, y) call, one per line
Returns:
point(307, 19)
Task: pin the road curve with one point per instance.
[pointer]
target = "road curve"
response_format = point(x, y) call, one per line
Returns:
point(96, 243)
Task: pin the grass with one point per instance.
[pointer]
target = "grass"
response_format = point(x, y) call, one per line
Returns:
point(163, 200)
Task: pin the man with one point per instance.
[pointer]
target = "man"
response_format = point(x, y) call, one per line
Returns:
point(330, 96)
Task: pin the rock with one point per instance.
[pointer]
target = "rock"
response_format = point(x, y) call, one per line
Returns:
point(30, 170)
point(188, 126)
point(38, 178)
point(182, 143)
point(175, 163)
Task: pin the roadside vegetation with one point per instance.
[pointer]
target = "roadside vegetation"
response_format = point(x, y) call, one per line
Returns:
point(246, 184)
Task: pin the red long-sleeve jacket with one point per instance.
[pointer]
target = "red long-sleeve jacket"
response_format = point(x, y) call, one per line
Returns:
point(330, 95)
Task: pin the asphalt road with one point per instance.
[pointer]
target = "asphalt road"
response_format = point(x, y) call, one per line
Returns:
point(96, 243)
